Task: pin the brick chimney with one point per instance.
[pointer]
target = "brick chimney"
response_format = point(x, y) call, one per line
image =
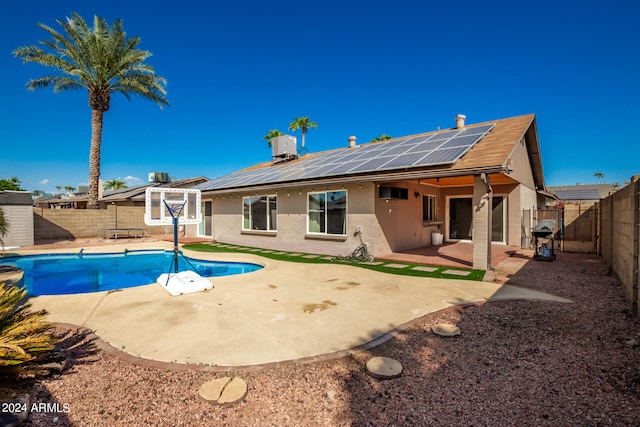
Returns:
point(460, 118)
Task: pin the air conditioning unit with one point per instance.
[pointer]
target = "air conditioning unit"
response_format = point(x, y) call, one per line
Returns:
point(393, 193)
point(284, 147)
point(159, 177)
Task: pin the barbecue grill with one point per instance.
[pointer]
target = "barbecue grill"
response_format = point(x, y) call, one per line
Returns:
point(543, 234)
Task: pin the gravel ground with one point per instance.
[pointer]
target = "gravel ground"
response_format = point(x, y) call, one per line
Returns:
point(518, 363)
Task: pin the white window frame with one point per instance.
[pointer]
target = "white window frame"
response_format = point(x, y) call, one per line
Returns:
point(433, 213)
point(325, 233)
point(269, 198)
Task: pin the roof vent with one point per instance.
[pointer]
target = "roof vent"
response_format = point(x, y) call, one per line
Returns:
point(460, 118)
point(352, 142)
point(283, 148)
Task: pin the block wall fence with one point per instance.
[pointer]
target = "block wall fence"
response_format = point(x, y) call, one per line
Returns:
point(65, 224)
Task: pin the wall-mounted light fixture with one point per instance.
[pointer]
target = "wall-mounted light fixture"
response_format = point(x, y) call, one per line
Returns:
point(417, 194)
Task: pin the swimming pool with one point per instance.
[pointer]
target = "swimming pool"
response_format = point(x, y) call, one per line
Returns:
point(59, 274)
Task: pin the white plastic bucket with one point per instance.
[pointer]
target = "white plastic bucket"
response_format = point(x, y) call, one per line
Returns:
point(436, 238)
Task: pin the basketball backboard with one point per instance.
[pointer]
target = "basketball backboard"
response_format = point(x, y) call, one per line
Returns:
point(161, 204)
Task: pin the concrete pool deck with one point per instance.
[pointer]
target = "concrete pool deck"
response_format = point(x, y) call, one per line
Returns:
point(285, 311)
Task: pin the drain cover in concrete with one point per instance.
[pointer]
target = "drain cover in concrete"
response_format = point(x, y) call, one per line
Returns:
point(224, 391)
point(446, 330)
point(384, 368)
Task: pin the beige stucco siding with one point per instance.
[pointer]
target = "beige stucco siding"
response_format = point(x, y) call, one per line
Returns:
point(519, 162)
point(401, 220)
point(291, 231)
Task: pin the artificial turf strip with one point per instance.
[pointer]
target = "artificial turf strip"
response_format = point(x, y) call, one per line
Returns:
point(287, 256)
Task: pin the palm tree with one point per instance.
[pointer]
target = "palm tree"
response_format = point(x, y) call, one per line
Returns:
point(59, 188)
point(115, 184)
point(273, 133)
point(304, 124)
point(103, 61)
point(381, 137)
point(69, 188)
point(598, 175)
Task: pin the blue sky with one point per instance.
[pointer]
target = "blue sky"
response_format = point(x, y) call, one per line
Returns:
point(237, 69)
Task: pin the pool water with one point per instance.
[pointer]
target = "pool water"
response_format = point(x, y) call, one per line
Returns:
point(59, 274)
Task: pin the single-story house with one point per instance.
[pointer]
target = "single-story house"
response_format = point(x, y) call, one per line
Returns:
point(17, 207)
point(469, 182)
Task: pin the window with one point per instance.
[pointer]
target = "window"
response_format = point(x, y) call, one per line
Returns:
point(260, 213)
point(328, 212)
point(429, 208)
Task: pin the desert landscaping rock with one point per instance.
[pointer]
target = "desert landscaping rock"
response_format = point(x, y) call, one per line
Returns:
point(446, 330)
point(224, 391)
point(384, 368)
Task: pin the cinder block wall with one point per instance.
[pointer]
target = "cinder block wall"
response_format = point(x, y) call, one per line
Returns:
point(619, 237)
point(65, 224)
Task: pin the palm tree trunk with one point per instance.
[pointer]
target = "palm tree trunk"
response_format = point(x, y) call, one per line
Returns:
point(94, 157)
point(303, 132)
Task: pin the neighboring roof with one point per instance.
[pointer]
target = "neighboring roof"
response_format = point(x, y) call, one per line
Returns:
point(492, 148)
point(135, 193)
point(578, 194)
point(582, 192)
point(15, 198)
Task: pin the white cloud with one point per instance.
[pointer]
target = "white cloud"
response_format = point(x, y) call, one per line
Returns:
point(44, 181)
point(131, 180)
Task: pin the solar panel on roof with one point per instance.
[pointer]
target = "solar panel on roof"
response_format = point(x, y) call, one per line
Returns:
point(440, 148)
point(459, 141)
point(578, 194)
point(444, 156)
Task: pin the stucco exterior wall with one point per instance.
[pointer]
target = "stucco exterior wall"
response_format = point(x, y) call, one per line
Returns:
point(521, 198)
point(401, 220)
point(291, 231)
point(521, 165)
point(388, 225)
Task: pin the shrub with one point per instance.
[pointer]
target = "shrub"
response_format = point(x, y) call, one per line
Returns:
point(23, 332)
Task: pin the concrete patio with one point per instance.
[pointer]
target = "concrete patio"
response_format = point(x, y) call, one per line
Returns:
point(286, 311)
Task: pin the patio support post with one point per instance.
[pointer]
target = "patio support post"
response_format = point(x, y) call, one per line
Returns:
point(482, 211)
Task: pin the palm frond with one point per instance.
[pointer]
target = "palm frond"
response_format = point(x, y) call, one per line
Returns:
point(23, 332)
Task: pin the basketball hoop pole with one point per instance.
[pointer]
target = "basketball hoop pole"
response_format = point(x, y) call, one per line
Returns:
point(175, 213)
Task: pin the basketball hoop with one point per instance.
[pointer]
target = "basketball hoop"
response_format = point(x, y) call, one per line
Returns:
point(162, 204)
point(176, 206)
